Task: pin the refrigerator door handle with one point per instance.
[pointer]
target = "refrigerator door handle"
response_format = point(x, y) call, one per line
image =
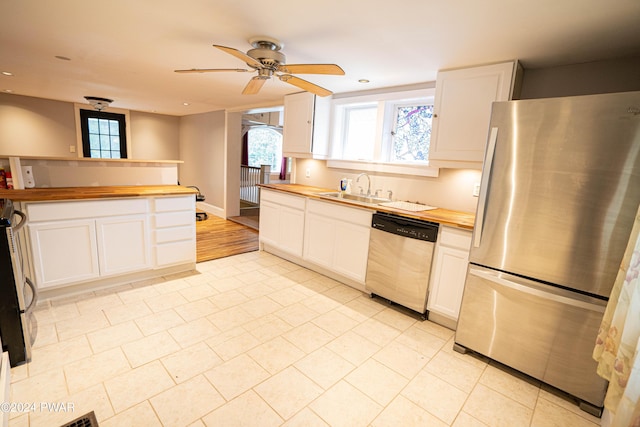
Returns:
point(23, 220)
point(520, 285)
point(484, 186)
point(34, 292)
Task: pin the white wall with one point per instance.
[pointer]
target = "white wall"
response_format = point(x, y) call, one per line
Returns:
point(202, 148)
point(154, 136)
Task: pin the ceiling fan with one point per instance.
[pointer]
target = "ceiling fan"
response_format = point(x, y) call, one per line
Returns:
point(268, 61)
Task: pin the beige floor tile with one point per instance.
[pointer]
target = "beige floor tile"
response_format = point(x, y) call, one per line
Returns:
point(236, 345)
point(495, 409)
point(511, 383)
point(125, 312)
point(140, 415)
point(158, 322)
point(114, 336)
point(465, 420)
point(47, 334)
point(245, 410)
point(97, 303)
point(185, 364)
point(343, 294)
point(286, 297)
point(377, 381)
point(334, 322)
point(81, 325)
point(255, 290)
point(454, 371)
point(344, 405)
point(92, 399)
point(196, 309)
point(47, 386)
point(275, 355)
point(436, 396)
point(236, 376)
point(186, 402)
point(321, 303)
point(288, 392)
point(253, 276)
point(324, 367)
point(150, 348)
point(421, 341)
point(308, 337)
point(230, 318)
point(173, 283)
point(305, 418)
point(547, 414)
point(565, 401)
point(20, 372)
point(402, 359)
point(165, 301)
point(200, 291)
point(57, 355)
point(95, 369)
point(137, 294)
point(56, 313)
point(268, 327)
point(360, 309)
point(403, 412)
point(193, 332)
point(435, 329)
point(297, 314)
point(353, 347)
point(225, 284)
point(395, 318)
point(261, 306)
point(377, 331)
point(136, 386)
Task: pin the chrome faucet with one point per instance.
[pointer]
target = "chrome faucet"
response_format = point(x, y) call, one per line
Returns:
point(368, 182)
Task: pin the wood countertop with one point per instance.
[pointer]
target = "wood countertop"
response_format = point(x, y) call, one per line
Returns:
point(442, 216)
point(106, 192)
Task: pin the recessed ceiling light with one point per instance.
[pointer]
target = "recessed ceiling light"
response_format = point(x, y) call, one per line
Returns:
point(63, 58)
point(7, 73)
point(363, 81)
point(185, 103)
point(8, 90)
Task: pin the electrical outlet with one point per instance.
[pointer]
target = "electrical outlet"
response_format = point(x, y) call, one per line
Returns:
point(72, 148)
point(476, 189)
point(308, 173)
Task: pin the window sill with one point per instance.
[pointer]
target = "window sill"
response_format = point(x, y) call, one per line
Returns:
point(391, 168)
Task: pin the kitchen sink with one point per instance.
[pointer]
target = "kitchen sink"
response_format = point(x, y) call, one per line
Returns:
point(355, 198)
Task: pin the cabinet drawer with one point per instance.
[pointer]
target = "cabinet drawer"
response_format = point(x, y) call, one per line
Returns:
point(283, 199)
point(341, 213)
point(174, 234)
point(174, 219)
point(455, 238)
point(53, 211)
point(169, 204)
point(175, 253)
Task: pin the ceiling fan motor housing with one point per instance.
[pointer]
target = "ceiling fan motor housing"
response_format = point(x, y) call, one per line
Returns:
point(268, 57)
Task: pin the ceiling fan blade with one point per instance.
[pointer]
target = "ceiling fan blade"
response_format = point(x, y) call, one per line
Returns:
point(240, 55)
point(303, 84)
point(254, 85)
point(211, 70)
point(311, 69)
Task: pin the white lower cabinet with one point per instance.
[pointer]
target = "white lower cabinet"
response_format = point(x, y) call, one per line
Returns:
point(282, 221)
point(448, 273)
point(337, 238)
point(78, 241)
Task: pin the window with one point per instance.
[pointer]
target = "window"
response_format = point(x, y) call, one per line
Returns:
point(265, 148)
point(103, 134)
point(388, 128)
point(411, 133)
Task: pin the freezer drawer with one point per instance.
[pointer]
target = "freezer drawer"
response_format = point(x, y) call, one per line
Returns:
point(543, 331)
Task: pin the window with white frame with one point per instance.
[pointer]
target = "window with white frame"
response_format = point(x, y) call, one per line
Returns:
point(393, 128)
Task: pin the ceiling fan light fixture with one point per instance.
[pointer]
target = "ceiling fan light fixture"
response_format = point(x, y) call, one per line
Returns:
point(98, 103)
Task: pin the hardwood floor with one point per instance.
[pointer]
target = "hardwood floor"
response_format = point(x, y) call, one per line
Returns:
point(218, 238)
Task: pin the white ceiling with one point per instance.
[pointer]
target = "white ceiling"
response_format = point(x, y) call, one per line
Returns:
point(127, 50)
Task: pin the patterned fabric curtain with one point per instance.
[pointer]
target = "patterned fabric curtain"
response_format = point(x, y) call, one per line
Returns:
point(618, 341)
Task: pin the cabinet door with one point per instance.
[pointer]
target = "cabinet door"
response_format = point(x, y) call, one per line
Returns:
point(269, 223)
point(447, 282)
point(64, 252)
point(351, 250)
point(462, 111)
point(291, 230)
point(123, 244)
point(298, 124)
point(319, 242)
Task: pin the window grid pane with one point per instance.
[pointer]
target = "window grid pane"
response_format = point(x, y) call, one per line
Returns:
point(265, 148)
point(104, 138)
point(360, 132)
point(412, 133)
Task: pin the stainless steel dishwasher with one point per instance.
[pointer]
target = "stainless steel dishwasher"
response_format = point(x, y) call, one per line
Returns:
point(400, 254)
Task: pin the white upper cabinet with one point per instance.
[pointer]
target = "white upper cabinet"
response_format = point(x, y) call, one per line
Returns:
point(462, 111)
point(306, 125)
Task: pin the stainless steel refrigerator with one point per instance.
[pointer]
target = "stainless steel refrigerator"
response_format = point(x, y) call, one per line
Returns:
point(559, 192)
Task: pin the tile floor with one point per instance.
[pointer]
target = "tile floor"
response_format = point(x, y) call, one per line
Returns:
point(255, 340)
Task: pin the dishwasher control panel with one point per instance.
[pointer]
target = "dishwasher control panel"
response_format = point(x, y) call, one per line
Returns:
point(407, 227)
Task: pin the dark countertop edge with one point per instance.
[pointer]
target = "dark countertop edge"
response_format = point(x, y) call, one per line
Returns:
point(101, 192)
point(310, 191)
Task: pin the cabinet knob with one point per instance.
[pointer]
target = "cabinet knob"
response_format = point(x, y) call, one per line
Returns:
point(435, 116)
